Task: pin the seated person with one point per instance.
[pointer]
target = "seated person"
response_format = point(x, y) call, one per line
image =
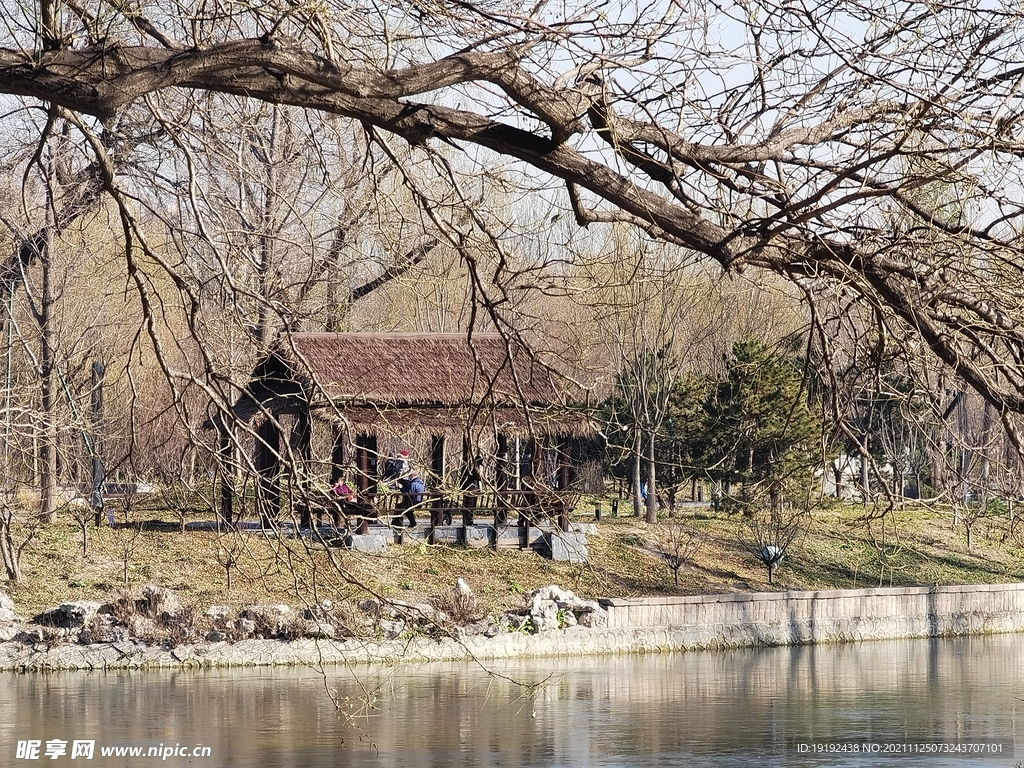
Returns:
point(348, 504)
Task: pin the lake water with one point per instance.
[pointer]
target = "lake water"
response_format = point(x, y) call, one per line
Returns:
point(748, 707)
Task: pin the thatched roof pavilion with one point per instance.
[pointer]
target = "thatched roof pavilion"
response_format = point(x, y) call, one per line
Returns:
point(431, 383)
point(340, 401)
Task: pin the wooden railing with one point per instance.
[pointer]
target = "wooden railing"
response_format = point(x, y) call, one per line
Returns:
point(526, 507)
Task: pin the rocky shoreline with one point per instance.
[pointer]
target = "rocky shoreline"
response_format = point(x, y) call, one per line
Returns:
point(136, 655)
point(156, 632)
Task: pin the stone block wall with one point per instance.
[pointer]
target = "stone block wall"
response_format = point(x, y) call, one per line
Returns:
point(784, 618)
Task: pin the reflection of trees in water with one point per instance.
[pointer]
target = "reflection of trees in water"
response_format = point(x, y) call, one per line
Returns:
point(693, 702)
point(542, 712)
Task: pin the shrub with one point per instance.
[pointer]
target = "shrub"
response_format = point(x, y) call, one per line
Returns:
point(460, 607)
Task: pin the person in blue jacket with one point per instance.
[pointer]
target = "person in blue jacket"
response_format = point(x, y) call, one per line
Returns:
point(412, 488)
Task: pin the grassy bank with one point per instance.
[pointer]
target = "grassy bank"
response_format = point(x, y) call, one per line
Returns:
point(840, 548)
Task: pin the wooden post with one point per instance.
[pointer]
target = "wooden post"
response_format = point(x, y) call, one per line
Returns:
point(368, 506)
point(471, 482)
point(564, 471)
point(301, 440)
point(436, 514)
point(339, 455)
point(366, 463)
point(268, 465)
point(226, 473)
point(437, 462)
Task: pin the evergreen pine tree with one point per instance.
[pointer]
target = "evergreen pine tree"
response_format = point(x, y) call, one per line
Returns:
point(759, 431)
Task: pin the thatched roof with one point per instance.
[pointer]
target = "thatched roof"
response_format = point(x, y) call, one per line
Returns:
point(416, 369)
point(458, 420)
point(421, 381)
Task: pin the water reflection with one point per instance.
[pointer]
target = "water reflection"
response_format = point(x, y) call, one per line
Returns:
point(732, 708)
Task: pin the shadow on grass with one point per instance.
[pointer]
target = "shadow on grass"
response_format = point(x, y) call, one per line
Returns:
point(908, 569)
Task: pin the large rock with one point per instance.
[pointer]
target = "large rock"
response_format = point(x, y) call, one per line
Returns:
point(245, 627)
point(400, 609)
point(161, 602)
point(371, 606)
point(596, 618)
point(320, 629)
point(7, 614)
point(102, 629)
point(392, 628)
point(545, 615)
point(217, 613)
point(555, 608)
point(319, 612)
point(269, 620)
point(142, 627)
point(70, 615)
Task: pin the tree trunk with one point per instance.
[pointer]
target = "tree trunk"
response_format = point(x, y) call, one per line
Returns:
point(227, 473)
point(96, 420)
point(338, 298)
point(865, 475)
point(986, 447)
point(48, 420)
point(652, 488)
point(638, 499)
point(8, 549)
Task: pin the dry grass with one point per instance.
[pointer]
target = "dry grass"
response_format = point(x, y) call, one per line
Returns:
point(460, 607)
point(913, 545)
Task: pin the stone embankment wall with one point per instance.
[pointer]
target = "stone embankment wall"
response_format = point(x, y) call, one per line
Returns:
point(633, 626)
point(787, 618)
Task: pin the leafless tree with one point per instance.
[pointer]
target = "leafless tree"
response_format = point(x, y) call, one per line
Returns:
point(15, 534)
point(787, 138)
point(127, 534)
point(783, 161)
point(678, 541)
point(646, 322)
point(229, 549)
point(769, 135)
